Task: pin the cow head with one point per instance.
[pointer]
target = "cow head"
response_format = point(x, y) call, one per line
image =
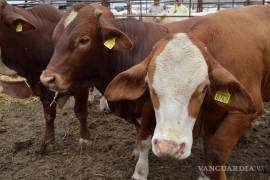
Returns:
point(81, 46)
point(180, 75)
point(14, 18)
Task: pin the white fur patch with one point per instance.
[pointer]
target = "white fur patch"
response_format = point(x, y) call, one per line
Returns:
point(85, 141)
point(179, 69)
point(203, 177)
point(103, 104)
point(139, 120)
point(91, 97)
point(62, 101)
point(142, 168)
point(72, 15)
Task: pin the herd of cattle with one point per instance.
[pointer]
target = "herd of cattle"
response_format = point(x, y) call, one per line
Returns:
point(201, 77)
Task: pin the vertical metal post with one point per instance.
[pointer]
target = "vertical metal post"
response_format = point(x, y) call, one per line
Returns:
point(141, 10)
point(128, 7)
point(146, 6)
point(189, 13)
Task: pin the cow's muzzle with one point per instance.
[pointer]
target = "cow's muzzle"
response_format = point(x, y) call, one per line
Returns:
point(54, 81)
point(175, 150)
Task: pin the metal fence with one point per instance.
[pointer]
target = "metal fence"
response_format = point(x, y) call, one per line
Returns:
point(139, 8)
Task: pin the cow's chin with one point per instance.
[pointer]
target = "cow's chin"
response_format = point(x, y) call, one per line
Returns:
point(59, 88)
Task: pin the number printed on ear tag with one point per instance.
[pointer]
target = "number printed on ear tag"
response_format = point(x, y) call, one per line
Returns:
point(110, 43)
point(222, 96)
point(19, 27)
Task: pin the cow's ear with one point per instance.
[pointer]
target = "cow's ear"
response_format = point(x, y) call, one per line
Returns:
point(113, 38)
point(228, 92)
point(128, 85)
point(2, 4)
point(17, 22)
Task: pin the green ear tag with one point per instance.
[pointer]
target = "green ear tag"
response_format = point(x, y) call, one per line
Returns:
point(110, 43)
point(222, 96)
point(19, 27)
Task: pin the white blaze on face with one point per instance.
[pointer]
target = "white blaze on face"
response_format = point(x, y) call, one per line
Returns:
point(179, 69)
point(72, 15)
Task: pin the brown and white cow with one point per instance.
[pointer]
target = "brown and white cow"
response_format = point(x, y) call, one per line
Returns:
point(81, 56)
point(26, 47)
point(211, 82)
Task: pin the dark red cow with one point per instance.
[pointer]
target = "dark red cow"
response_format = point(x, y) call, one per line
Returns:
point(27, 45)
point(94, 49)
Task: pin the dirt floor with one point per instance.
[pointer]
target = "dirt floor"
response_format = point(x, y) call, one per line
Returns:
point(110, 155)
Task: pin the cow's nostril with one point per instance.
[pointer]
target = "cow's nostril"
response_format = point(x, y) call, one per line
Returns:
point(182, 146)
point(49, 79)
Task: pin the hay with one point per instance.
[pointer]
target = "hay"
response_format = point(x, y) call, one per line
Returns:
point(13, 78)
point(8, 100)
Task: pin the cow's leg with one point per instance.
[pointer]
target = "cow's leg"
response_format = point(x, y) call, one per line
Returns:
point(80, 108)
point(218, 147)
point(142, 168)
point(144, 135)
point(49, 113)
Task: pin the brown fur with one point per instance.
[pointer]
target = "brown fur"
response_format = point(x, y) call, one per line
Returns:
point(28, 53)
point(196, 100)
point(99, 65)
point(232, 48)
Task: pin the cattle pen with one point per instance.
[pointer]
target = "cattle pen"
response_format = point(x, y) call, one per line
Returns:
point(139, 8)
point(111, 153)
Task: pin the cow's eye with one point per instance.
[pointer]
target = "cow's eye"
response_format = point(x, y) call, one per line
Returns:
point(84, 40)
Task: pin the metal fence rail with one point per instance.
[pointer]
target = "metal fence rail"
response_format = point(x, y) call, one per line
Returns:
point(142, 6)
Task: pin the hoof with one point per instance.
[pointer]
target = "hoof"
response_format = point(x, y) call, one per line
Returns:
point(135, 152)
point(138, 177)
point(85, 142)
point(45, 145)
point(141, 171)
point(203, 177)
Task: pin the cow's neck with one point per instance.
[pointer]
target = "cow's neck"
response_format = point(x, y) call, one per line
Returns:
point(143, 35)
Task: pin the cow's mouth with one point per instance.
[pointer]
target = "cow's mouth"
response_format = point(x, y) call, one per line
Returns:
point(57, 89)
point(54, 82)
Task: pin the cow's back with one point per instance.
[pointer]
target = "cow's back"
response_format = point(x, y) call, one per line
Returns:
point(239, 40)
point(235, 32)
point(182, 26)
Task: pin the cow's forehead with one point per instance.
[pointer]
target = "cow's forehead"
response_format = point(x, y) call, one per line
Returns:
point(179, 68)
point(70, 17)
point(84, 13)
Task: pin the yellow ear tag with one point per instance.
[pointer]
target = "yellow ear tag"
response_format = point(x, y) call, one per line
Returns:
point(19, 27)
point(222, 96)
point(110, 43)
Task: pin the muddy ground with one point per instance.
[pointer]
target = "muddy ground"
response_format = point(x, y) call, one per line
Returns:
point(110, 155)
